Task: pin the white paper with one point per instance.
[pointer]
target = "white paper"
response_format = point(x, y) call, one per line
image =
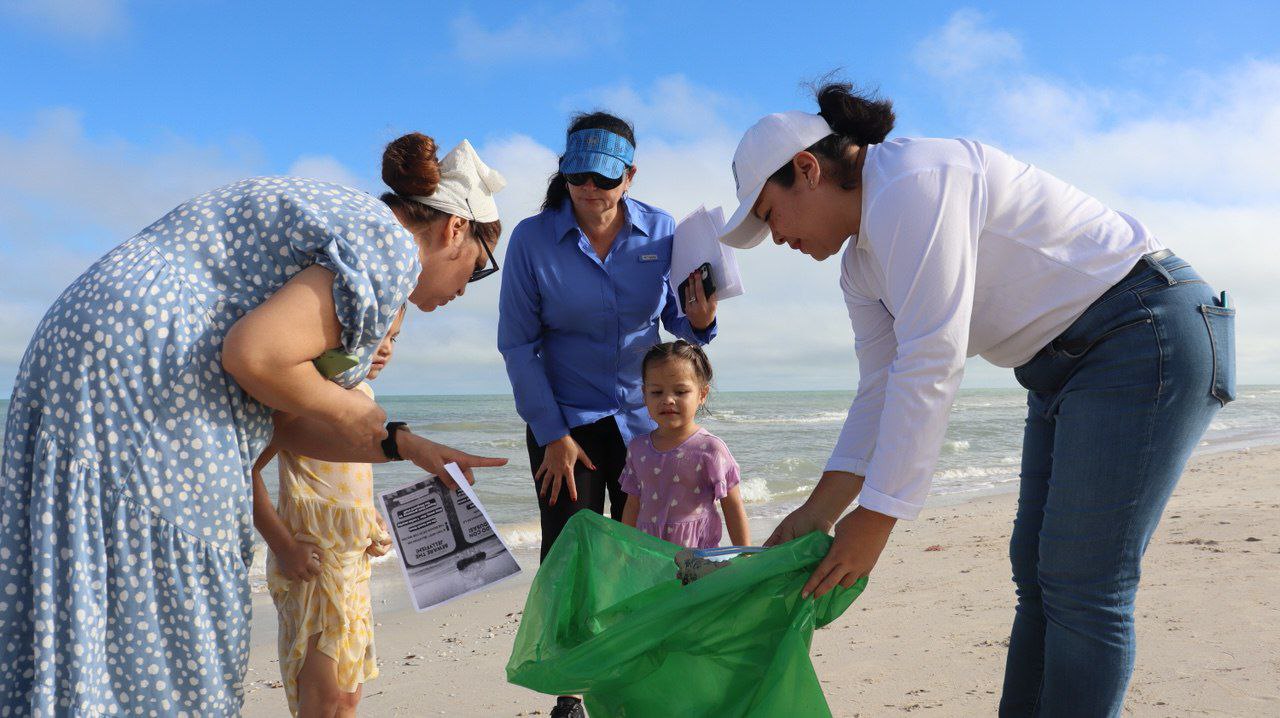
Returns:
point(697, 240)
point(446, 543)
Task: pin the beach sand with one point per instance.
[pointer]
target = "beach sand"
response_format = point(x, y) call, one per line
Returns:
point(929, 634)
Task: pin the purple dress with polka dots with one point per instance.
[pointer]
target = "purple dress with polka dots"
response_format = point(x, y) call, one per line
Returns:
point(678, 489)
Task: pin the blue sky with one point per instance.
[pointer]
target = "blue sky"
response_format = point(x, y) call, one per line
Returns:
point(115, 111)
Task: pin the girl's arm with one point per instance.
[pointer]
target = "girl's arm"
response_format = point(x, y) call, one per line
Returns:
point(294, 557)
point(631, 511)
point(735, 518)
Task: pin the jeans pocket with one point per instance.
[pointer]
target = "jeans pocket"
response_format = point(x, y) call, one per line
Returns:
point(1220, 318)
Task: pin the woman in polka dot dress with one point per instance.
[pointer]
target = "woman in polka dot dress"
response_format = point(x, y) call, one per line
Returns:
point(675, 474)
point(146, 393)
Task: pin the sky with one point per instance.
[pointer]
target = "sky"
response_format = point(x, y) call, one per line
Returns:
point(116, 111)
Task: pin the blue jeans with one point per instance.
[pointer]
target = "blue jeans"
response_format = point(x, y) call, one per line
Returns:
point(1115, 406)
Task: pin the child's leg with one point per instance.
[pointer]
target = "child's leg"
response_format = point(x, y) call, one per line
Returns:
point(318, 693)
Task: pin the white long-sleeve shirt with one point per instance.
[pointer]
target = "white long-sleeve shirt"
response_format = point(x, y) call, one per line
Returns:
point(963, 250)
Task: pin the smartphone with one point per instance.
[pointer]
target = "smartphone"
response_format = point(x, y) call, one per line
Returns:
point(334, 362)
point(708, 284)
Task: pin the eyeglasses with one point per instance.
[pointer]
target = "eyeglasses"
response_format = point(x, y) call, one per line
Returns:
point(577, 179)
point(493, 264)
point(479, 274)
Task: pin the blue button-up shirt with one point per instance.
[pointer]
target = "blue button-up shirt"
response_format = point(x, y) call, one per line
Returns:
point(573, 328)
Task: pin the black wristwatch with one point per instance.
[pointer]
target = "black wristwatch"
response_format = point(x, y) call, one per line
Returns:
point(389, 447)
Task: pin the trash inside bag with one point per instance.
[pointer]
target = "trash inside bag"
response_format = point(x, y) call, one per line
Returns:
point(606, 618)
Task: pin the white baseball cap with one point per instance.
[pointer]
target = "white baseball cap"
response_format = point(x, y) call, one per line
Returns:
point(763, 150)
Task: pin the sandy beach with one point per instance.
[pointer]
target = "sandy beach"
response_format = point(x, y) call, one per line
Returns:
point(929, 634)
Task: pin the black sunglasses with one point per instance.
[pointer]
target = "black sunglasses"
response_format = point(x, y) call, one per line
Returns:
point(577, 179)
point(479, 274)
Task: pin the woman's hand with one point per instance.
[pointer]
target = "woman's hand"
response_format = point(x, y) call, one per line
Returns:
point(431, 457)
point(299, 561)
point(860, 538)
point(698, 307)
point(558, 462)
point(379, 545)
point(804, 520)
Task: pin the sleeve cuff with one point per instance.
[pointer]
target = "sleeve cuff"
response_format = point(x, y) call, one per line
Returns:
point(883, 503)
point(704, 336)
point(546, 432)
point(852, 466)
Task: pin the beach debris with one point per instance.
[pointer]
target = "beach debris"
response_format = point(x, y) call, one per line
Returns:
point(935, 547)
point(1253, 538)
point(693, 563)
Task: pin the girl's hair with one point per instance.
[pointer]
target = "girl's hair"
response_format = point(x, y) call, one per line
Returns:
point(857, 119)
point(679, 350)
point(410, 167)
point(557, 187)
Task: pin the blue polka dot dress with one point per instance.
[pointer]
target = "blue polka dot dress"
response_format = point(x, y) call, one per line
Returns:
point(125, 494)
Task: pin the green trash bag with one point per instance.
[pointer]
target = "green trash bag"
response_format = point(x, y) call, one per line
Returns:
point(606, 618)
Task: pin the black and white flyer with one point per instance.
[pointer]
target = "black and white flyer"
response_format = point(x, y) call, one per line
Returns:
point(445, 540)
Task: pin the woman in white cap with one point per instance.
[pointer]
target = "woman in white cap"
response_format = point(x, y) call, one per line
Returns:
point(152, 384)
point(952, 249)
point(584, 289)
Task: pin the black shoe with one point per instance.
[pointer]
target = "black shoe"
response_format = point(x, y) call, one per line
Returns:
point(568, 707)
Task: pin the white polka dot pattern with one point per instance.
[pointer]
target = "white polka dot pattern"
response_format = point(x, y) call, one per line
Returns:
point(125, 498)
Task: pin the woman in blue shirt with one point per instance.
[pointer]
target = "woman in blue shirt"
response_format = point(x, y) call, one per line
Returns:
point(584, 286)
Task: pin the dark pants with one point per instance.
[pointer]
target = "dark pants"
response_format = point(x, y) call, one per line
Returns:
point(603, 443)
point(1116, 405)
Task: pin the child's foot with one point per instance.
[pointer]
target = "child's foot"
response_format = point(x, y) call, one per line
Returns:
point(568, 707)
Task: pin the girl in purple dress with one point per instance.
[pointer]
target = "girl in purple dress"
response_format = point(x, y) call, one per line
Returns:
point(675, 474)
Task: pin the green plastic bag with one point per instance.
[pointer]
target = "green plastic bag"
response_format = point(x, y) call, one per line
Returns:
point(606, 618)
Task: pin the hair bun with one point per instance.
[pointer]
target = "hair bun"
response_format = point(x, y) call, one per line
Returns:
point(861, 117)
point(410, 166)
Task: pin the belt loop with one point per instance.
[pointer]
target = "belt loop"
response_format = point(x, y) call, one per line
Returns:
point(1154, 263)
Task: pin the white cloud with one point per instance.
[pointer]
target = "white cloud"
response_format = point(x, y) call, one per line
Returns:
point(540, 34)
point(1194, 163)
point(323, 167)
point(72, 19)
point(965, 45)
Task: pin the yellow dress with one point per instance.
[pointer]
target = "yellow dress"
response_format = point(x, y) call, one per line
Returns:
point(331, 506)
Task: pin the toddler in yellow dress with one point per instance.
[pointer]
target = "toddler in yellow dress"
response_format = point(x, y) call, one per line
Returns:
point(321, 537)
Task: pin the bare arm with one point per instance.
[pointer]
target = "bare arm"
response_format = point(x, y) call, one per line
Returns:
point(269, 351)
point(735, 518)
point(321, 440)
point(631, 512)
point(295, 559)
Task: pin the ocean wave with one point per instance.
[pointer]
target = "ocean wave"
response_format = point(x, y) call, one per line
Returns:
point(973, 472)
point(754, 491)
point(955, 447)
point(521, 535)
point(485, 426)
point(826, 417)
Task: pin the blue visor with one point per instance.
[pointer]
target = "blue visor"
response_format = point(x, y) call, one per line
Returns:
point(599, 151)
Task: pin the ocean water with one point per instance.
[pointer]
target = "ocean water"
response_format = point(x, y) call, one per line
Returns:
point(781, 441)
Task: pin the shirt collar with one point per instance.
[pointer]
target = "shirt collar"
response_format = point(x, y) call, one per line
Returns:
point(565, 222)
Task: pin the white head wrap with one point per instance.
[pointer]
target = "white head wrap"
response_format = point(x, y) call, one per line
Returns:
point(467, 186)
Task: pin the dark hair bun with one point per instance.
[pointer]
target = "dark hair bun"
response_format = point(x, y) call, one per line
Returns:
point(410, 167)
point(861, 117)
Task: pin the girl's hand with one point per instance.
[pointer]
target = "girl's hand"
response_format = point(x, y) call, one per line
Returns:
point(558, 462)
point(379, 545)
point(299, 561)
point(431, 457)
point(698, 307)
point(860, 538)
